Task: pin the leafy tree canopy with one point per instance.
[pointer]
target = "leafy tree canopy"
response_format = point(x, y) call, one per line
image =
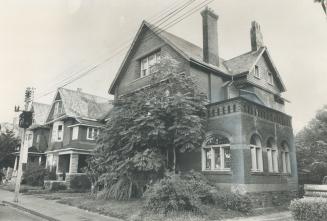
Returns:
point(8, 144)
point(146, 130)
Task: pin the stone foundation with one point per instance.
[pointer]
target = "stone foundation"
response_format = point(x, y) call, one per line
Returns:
point(272, 199)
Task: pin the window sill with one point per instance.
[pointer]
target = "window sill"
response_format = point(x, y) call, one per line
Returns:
point(257, 173)
point(220, 172)
point(138, 79)
point(257, 77)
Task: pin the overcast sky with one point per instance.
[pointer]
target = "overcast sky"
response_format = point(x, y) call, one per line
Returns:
point(44, 42)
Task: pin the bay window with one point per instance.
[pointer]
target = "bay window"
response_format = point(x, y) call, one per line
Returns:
point(285, 155)
point(92, 133)
point(272, 155)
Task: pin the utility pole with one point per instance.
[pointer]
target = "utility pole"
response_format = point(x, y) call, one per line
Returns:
point(25, 120)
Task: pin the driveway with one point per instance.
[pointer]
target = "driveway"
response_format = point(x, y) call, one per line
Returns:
point(281, 216)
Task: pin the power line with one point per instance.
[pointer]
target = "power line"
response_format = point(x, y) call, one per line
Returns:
point(166, 12)
point(158, 31)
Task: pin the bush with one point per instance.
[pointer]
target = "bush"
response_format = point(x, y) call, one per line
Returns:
point(311, 208)
point(80, 182)
point(233, 201)
point(34, 174)
point(178, 193)
point(51, 174)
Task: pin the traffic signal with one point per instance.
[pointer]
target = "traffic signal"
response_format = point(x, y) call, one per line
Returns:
point(25, 119)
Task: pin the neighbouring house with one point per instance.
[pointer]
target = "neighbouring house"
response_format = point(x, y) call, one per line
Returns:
point(75, 120)
point(250, 144)
point(36, 136)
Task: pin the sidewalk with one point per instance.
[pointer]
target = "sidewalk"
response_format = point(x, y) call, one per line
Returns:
point(50, 210)
point(282, 216)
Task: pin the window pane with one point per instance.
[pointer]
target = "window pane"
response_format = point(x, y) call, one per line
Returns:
point(227, 157)
point(207, 158)
point(152, 60)
point(275, 160)
point(217, 158)
point(258, 158)
point(253, 158)
point(270, 161)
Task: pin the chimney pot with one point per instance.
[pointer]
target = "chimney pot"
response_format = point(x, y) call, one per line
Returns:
point(210, 36)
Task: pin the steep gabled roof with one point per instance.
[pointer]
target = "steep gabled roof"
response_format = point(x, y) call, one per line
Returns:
point(40, 112)
point(78, 104)
point(243, 64)
point(186, 49)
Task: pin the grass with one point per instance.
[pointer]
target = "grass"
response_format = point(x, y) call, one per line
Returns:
point(130, 210)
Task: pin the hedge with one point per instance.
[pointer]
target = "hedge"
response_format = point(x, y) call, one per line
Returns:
point(310, 208)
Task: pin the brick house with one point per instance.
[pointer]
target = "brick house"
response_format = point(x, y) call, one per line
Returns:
point(250, 144)
point(75, 120)
point(36, 137)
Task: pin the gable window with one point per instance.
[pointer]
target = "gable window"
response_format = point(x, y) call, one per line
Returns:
point(272, 155)
point(92, 133)
point(256, 154)
point(216, 154)
point(285, 155)
point(149, 64)
point(57, 108)
point(256, 71)
point(270, 78)
point(38, 139)
point(75, 133)
point(58, 131)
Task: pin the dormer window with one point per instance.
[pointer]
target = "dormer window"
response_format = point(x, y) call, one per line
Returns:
point(57, 108)
point(270, 78)
point(149, 64)
point(256, 71)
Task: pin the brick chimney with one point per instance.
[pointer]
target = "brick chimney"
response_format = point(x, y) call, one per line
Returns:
point(256, 36)
point(210, 36)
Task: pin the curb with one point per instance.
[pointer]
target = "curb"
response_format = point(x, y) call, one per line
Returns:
point(30, 211)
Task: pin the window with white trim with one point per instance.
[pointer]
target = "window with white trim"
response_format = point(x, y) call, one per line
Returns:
point(57, 110)
point(58, 131)
point(216, 154)
point(38, 138)
point(257, 71)
point(150, 63)
point(256, 154)
point(270, 78)
point(92, 133)
point(75, 133)
point(272, 155)
point(286, 161)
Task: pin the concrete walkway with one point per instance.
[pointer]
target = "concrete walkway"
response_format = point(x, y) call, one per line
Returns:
point(281, 216)
point(50, 210)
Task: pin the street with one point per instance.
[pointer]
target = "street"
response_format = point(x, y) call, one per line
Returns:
point(8, 213)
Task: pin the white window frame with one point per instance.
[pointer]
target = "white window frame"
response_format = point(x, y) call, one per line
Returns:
point(212, 149)
point(93, 131)
point(146, 66)
point(257, 72)
point(286, 161)
point(270, 78)
point(55, 132)
point(38, 138)
point(75, 131)
point(272, 155)
point(56, 109)
point(256, 158)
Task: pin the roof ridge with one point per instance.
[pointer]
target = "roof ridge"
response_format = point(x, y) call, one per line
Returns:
point(81, 92)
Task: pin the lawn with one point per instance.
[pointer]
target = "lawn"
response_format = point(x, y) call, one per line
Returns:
point(129, 210)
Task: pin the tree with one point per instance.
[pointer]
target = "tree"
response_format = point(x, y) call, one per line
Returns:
point(311, 143)
point(323, 4)
point(8, 144)
point(145, 132)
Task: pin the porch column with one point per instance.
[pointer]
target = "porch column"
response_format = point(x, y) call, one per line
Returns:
point(73, 164)
point(15, 166)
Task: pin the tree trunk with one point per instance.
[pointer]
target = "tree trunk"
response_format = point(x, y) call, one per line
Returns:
point(174, 163)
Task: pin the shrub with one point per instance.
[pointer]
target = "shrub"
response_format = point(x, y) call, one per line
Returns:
point(311, 208)
point(178, 193)
point(233, 201)
point(80, 182)
point(34, 174)
point(51, 174)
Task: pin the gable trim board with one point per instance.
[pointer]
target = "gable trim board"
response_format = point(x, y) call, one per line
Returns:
point(157, 32)
point(196, 62)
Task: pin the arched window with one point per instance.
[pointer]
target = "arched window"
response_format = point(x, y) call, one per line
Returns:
point(285, 155)
point(216, 154)
point(272, 155)
point(256, 153)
